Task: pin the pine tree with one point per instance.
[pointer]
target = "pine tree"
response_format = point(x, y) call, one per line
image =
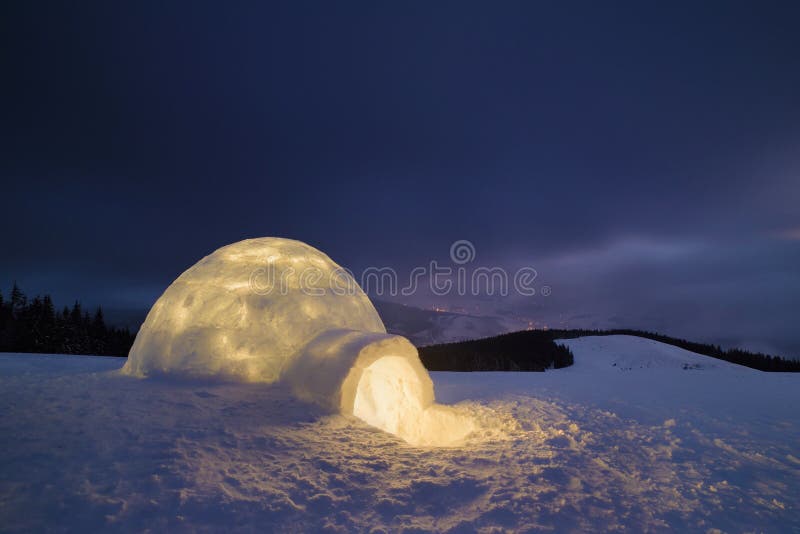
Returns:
point(48, 310)
point(50, 331)
point(99, 324)
point(4, 324)
point(18, 300)
point(75, 314)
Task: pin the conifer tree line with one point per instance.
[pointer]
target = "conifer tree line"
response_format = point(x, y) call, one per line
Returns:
point(534, 350)
point(34, 325)
point(537, 350)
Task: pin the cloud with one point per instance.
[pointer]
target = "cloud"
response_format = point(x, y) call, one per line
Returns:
point(788, 234)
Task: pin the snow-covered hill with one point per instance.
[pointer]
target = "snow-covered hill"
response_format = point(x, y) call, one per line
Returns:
point(663, 440)
point(630, 353)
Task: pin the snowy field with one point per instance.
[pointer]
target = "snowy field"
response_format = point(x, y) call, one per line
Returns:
point(637, 436)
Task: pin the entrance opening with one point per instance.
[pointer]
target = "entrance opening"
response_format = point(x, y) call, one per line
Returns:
point(389, 396)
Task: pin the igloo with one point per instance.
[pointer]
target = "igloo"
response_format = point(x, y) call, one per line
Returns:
point(273, 309)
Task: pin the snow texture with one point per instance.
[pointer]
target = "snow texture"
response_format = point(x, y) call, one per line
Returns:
point(649, 444)
point(269, 309)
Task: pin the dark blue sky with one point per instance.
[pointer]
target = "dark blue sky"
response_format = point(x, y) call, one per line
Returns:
point(643, 157)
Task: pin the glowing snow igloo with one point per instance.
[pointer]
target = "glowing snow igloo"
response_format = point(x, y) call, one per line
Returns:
point(270, 309)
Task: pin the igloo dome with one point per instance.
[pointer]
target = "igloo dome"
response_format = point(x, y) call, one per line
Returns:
point(243, 311)
point(270, 309)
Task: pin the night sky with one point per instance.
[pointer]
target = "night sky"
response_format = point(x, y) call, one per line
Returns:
point(643, 157)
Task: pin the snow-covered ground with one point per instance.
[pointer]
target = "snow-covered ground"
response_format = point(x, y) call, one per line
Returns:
point(636, 435)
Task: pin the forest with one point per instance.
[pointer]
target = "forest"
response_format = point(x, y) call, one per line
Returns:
point(34, 325)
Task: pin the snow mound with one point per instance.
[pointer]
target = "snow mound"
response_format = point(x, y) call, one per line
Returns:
point(269, 309)
point(632, 353)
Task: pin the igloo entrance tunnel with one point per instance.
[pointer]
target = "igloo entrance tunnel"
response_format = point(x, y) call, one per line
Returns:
point(272, 309)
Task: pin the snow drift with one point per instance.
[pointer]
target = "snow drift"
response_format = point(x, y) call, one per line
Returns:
point(269, 309)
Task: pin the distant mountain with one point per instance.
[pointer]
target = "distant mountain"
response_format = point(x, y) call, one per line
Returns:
point(428, 327)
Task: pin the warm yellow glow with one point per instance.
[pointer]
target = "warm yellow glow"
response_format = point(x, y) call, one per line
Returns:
point(389, 397)
point(213, 321)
